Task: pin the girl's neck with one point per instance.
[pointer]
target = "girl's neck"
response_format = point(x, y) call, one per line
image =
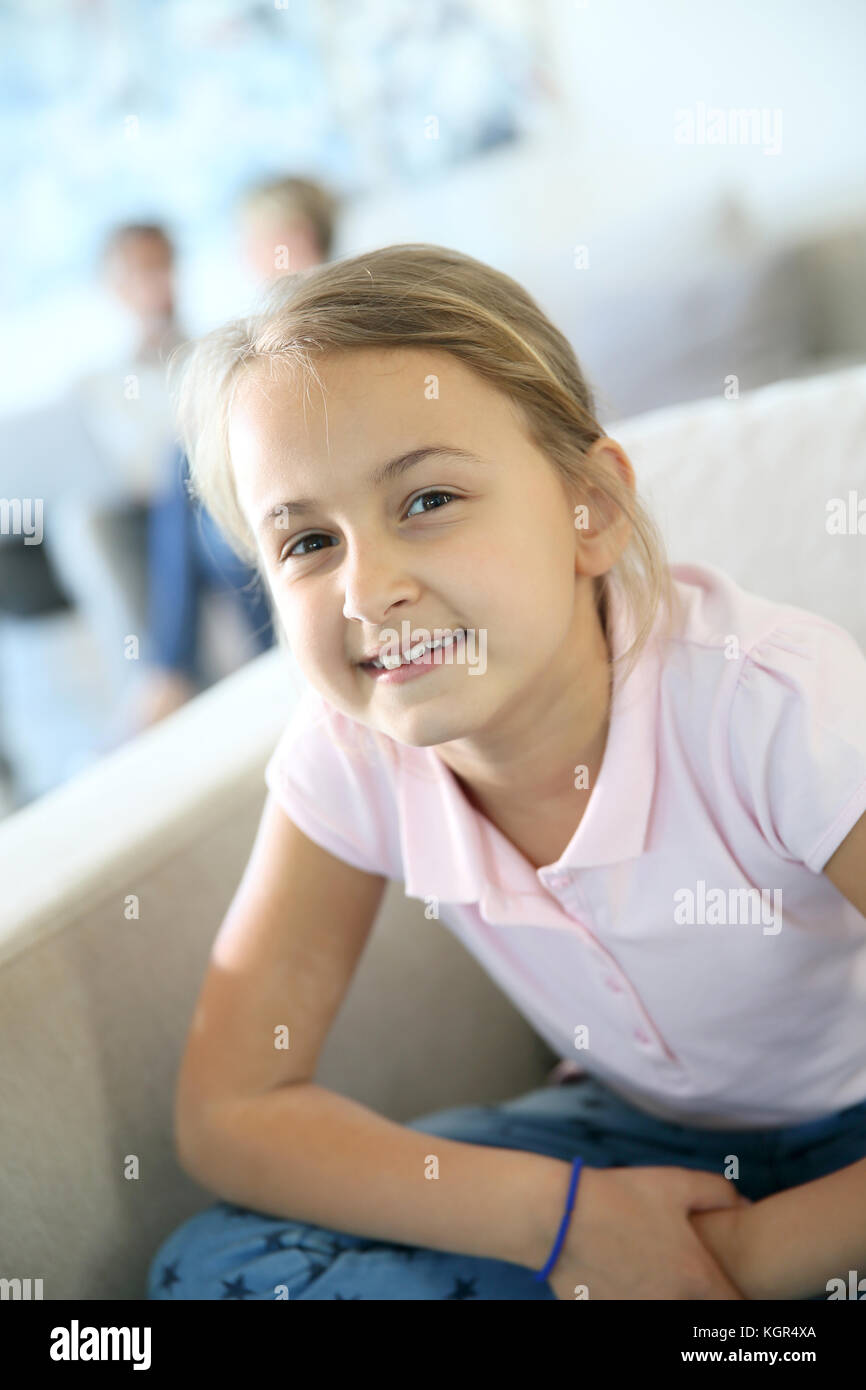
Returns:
point(539, 771)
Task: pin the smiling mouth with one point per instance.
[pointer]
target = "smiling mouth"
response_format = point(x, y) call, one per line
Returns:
point(416, 653)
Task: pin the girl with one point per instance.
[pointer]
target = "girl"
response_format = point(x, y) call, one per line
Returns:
point(634, 791)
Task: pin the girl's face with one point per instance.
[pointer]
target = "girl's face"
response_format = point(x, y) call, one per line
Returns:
point(354, 563)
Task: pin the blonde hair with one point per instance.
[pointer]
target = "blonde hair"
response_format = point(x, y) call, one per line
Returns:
point(415, 295)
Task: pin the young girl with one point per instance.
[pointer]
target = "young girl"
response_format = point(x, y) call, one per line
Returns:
point(635, 792)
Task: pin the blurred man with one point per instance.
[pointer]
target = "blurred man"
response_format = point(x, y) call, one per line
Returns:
point(99, 532)
point(138, 267)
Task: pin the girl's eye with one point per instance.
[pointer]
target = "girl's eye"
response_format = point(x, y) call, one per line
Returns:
point(422, 496)
point(320, 535)
point(313, 536)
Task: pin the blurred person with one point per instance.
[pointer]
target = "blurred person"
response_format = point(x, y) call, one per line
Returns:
point(99, 543)
point(125, 406)
point(285, 226)
point(100, 465)
point(294, 216)
point(138, 263)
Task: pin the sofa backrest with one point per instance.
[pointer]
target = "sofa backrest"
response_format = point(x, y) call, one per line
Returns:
point(752, 483)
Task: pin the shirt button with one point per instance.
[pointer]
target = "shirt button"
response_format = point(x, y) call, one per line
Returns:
point(559, 880)
point(613, 985)
point(641, 1036)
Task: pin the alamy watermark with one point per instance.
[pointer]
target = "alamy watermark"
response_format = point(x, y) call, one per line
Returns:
point(846, 517)
point(728, 907)
point(448, 646)
point(17, 518)
point(729, 125)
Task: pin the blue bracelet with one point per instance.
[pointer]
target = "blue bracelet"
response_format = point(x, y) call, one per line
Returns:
point(563, 1226)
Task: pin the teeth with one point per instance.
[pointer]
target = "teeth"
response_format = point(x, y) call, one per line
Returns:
point(391, 663)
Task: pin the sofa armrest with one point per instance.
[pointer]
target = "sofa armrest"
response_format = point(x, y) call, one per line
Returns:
point(115, 885)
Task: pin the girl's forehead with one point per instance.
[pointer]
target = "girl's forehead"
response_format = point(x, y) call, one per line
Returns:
point(354, 380)
point(354, 367)
point(370, 402)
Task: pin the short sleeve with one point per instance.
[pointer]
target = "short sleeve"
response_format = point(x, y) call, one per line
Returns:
point(326, 775)
point(797, 737)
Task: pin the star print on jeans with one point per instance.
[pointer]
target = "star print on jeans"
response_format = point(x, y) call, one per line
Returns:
point(463, 1288)
point(170, 1275)
point(321, 1246)
point(236, 1288)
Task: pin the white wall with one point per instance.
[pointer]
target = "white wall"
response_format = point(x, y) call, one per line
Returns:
point(626, 65)
point(616, 173)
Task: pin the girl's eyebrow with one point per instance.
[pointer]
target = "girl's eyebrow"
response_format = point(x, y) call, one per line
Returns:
point(392, 469)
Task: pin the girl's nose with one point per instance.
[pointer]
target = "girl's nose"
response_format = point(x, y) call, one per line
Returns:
point(374, 586)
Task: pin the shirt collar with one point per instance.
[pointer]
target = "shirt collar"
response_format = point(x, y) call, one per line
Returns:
point(446, 843)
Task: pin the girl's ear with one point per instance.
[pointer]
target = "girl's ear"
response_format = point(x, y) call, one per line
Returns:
point(608, 454)
point(602, 529)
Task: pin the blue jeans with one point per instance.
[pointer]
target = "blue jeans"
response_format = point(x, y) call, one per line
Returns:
point(232, 1252)
point(188, 555)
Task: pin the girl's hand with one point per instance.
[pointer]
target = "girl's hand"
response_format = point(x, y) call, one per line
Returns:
point(630, 1236)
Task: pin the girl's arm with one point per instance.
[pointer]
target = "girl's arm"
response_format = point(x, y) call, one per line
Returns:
point(251, 1124)
point(789, 1245)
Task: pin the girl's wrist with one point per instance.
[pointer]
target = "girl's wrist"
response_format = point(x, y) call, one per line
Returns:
point(768, 1263)
point(721, 1231)
point(551, 1193)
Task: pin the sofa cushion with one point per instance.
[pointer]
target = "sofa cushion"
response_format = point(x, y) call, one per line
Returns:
point(749, 483)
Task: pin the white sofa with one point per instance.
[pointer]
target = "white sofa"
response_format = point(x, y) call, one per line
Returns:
point(115, 883)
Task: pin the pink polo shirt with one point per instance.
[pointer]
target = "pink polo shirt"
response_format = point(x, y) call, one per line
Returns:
point(735, 761)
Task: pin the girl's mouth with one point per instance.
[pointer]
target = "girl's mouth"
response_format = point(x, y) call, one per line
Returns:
point(426, 659)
